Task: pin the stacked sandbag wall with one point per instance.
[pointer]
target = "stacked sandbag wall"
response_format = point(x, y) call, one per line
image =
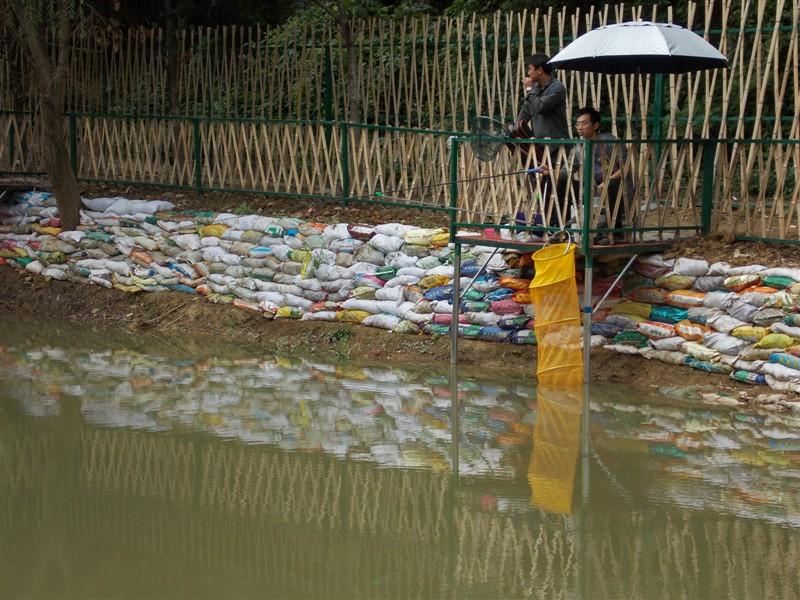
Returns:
point(743, 321)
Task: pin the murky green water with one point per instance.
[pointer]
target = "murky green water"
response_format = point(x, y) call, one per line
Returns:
point(145, 467)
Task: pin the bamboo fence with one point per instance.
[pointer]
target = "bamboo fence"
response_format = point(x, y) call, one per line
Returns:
point(433, 74)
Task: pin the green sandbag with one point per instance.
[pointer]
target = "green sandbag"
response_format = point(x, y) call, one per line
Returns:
point(778, 282)
point(473, 294)
point(668, 314)
point(100, 236)
point(385, 273)
point(709, 367)
point(631, 338)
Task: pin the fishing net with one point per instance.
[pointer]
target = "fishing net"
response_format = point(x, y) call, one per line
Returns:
point(488, 137)
point(559, 371)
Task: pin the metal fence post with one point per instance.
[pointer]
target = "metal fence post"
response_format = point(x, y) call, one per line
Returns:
point(327, 100)
point(345, 141)
point(73, 143)
point(452, 142)
point(588, 176)
point(708, 185)
point(198, 158)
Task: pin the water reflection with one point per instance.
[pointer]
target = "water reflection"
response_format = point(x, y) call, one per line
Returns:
point(190, 474)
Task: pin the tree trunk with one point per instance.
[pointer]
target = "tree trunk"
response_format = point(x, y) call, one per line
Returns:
point(59, 168)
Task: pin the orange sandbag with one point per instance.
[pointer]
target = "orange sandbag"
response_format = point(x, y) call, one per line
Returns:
point(690, 331)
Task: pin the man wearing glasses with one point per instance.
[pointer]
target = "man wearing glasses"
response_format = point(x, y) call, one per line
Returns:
point(609, 161)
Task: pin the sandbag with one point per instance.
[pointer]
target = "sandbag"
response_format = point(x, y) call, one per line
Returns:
point(688, 330)
point(685, 298)
point(690, 266)
point(775, 340)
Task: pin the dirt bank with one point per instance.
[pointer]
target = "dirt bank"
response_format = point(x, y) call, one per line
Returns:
point(178, 317)
point(185, 321)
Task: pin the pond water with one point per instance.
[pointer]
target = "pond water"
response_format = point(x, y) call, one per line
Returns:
point(135, 466)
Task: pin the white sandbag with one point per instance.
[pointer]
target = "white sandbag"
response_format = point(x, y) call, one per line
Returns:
point(221, 279)
point(370, 306)
point(671, 357)
point(672, 344)
point(189, 241)
point(308, 285)
point(34, 267)
point(344, 259)
point(657, 260)
point(781, 272)
point(295, 243)
point(719, 269)
point(254, 222)
point(322, 315)
point(753, 366)
point(724, 343)
point(741, 310)
point(413, 271)
point(446, 270)
point(268, 307)
point(297, 301)
point(690, 266)
point(497, 263)
point(390, 293)
point(700, 352)
point(348, 245)
point(746, 270)
point(622, 349)
point(331, 273)
point(236, 271)
point(387, 322)
point(718, 299)
point(314, 295)
point(783, 386)
point(785, 329)
point(285, 289)
point(323, 256)
point(401, 281)
point(213, 253)
point(72, 236)
point(244, 293)
point(369, 254)
point(708, 283)
point(400, 260)
point(337, 285)
point(230, 259)
point(486, 319)
point(418, 318)
point(442, 307)
point(724, 323)
point(281, 252)
point(780, 372)
point(393, 229)
point(336, 232)
point(102, 281)
point(361, 268)
point(54, 272)
point(209, 241)
point(385, 243)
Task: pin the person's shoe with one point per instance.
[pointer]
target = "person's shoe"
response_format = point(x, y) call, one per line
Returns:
point(601, 241)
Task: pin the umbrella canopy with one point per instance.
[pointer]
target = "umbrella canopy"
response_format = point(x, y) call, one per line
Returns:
point(639, 47)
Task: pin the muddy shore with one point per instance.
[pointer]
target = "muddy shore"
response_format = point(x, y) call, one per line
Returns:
point(179, 317)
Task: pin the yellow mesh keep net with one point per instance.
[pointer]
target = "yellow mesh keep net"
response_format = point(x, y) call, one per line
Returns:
point(559, 371)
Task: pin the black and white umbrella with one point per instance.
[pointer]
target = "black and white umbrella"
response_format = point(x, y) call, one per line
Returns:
point(639, 47)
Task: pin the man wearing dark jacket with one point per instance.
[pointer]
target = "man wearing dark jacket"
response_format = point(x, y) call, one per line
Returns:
point(543, 114)
point(545, 103)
